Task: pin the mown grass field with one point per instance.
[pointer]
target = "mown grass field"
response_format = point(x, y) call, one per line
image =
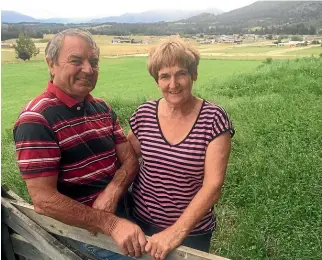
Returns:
point(271, 202)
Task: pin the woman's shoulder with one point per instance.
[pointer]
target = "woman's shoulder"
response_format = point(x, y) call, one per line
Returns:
point(146, 107)
point(213, 108)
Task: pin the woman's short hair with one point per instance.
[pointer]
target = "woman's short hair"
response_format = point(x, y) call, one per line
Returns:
point(173, 52)
point(54, 45)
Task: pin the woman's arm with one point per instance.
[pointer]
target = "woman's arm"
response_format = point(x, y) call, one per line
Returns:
point(217, 155)
point(135, 143)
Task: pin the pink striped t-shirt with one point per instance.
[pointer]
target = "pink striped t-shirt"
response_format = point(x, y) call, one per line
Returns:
point(171, 175)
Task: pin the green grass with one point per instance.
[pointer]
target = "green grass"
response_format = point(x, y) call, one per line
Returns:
point(124, 78)
point(271, 202)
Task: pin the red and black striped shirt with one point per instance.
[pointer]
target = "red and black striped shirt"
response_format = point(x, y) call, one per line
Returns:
point(57, 135)
point(171, 175)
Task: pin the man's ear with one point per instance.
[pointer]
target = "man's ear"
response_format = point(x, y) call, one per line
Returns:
point(194, 77)
point(50, 64)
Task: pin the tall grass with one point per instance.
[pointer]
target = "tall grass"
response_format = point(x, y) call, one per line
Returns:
point(271, 202)
point(271, 207)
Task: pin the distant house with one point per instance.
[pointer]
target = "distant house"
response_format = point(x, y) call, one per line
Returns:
point(124, 39)
point(296, 43)
point(205, 42)
point(230, 39)
point(6, 45)
point(121, 39)
point(136, 41)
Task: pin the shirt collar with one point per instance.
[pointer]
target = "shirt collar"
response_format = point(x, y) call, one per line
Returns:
point(65, 98)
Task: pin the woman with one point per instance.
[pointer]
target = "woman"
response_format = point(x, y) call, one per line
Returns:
point(184, 142)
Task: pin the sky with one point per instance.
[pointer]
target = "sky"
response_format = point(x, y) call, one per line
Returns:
point(100, 8)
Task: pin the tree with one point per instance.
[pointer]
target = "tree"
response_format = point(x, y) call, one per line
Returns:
point(25, 48)
point(296, 38)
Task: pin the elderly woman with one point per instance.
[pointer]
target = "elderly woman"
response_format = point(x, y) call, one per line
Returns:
point(184, 142)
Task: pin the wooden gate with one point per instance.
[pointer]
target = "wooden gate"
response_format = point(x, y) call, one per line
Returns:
point(28, 235)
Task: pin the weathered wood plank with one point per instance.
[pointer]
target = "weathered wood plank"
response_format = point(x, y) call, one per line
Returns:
point(6, 244)
point(23, 248)
point(101, 240)
point(35, 234)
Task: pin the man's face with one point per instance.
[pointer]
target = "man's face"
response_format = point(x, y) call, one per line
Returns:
point(76, 71)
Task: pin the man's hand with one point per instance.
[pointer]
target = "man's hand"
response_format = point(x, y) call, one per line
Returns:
point(129, 237)
point(161, 244)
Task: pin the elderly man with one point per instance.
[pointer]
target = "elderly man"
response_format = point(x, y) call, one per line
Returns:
point(71, 150)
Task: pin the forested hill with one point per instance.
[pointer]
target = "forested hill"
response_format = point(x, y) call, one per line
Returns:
point(262, 17)
point(266, 13)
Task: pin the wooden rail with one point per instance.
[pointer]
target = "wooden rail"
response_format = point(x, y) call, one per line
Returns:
point(33, 237)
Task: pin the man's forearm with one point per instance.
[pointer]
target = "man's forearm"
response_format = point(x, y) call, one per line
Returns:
point(62, 208)
point(123, 177)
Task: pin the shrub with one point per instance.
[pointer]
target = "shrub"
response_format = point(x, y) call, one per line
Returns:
point(25, 48)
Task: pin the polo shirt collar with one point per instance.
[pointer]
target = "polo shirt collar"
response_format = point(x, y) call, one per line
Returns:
point(62, 96)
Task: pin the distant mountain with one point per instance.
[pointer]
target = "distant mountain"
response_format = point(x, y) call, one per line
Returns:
point(14, 17)
point(266, 13)
point(144, 17)
point(154, 16)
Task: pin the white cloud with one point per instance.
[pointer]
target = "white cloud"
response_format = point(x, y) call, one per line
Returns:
point(101, 8)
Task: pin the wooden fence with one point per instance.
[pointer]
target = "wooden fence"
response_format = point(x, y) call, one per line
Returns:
point(28, 235)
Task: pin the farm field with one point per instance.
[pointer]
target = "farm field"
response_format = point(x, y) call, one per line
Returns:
point(271, 202)
point(246, 51)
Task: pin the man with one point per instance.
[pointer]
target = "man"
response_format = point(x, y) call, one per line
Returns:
point(71, 150)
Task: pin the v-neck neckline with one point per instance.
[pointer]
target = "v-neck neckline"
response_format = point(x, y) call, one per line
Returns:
point(187, 136)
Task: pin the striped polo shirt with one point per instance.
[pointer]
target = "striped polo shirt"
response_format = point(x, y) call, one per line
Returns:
point(171, 175)
point(57, 135)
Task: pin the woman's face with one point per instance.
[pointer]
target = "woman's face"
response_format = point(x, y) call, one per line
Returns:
point(176, 84)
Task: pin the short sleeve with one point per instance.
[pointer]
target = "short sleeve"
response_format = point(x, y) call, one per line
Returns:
point(38, 153)
point(221, 123)
point(118, 133)
point(133, 124)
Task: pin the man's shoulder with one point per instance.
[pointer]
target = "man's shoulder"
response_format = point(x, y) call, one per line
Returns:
point(41, 103)
point(100, 104)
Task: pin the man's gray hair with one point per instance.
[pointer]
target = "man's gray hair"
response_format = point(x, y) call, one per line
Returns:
point(55, 44)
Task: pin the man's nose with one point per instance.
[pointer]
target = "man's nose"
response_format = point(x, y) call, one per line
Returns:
point(87, 67)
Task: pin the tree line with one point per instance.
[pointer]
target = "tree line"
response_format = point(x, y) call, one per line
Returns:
point(37, 30)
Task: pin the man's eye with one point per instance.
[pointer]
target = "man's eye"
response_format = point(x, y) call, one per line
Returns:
point(94, 64)
point(76, 62)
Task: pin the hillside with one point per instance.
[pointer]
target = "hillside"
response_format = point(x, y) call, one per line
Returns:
point(154, 16)
point(143, 17)
point(262, 17)
point(267, 13)
point(14, 17)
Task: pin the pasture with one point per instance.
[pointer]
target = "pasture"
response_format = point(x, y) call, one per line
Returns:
point(271, 202)
point(251, 50)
